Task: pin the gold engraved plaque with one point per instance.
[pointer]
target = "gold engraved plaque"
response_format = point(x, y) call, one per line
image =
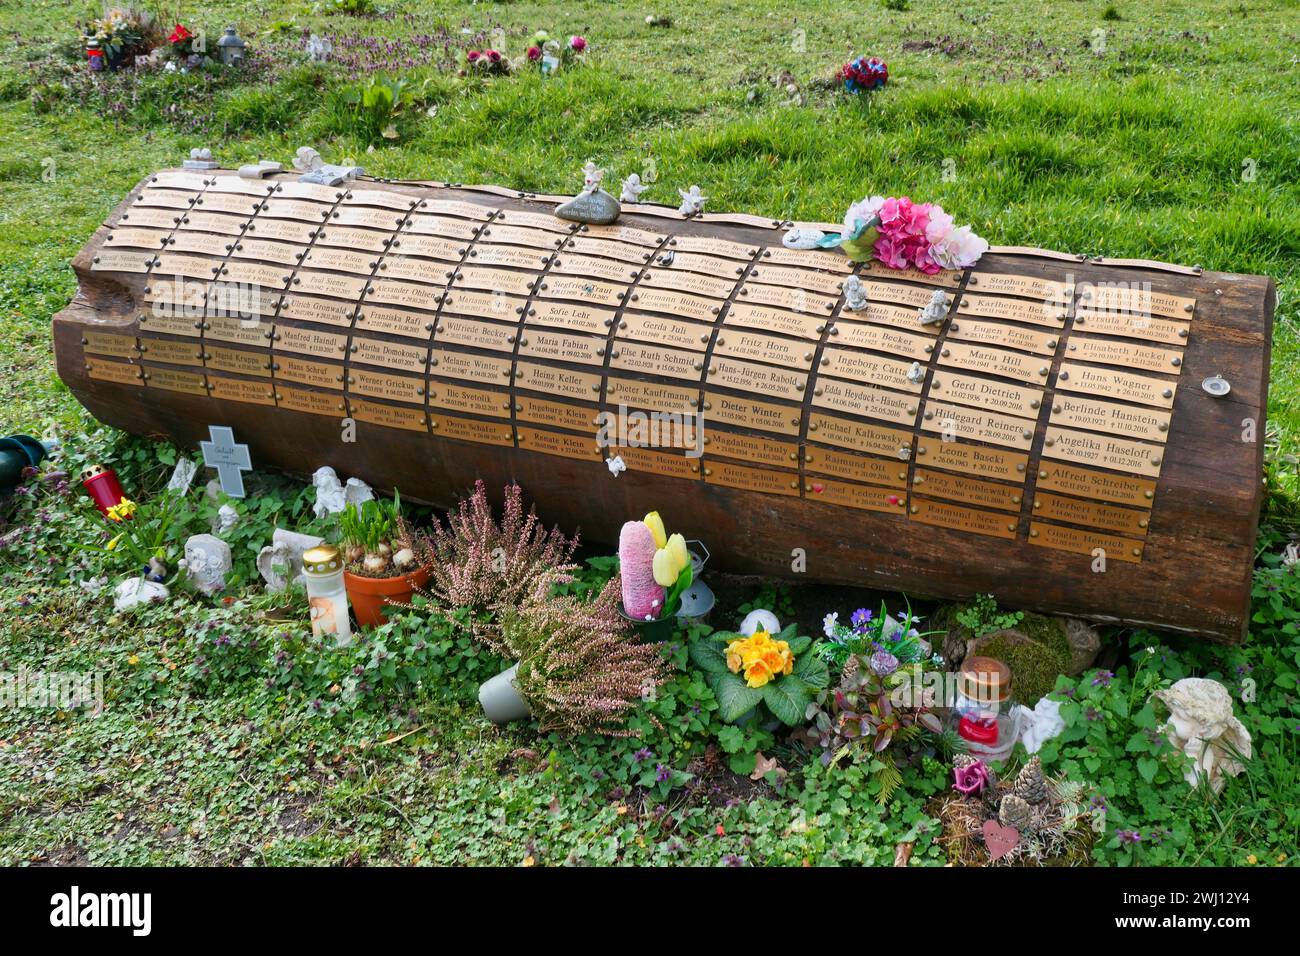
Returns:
point(341, 260)
point(396, 387)
point(551, 380)
point(389, 416)
point(309, 341)
point(466, 429)
point(481, 335)
point(191, 383)
point(584, 290)
point(1024, 286)
point(764, 348)
point(490, 305)
point(325, 283)
point(809, 259)
point(949, 278)
point(1084, 482)
point(534, 220)
point(562, 347)
point(255, 273)
point(1011, 336)
point(228, 202)
point(688, 282)
point(1131, 326)
point(239, 331)
point(977, 425)
point(493, 280)
point(994, 361)
point(774, 320)
point(692, 336)
point(119, 373)
point(797, 278)
point(763, 451)
point(897, 316)
point(308, 373)
point(239, 360)
point(1015, 310)
point(638, 237)
point(986, 494)
point(295, 190)
point(901, 294)
point(579, 418)
point(427, 247)
point(613, 250)
point(174, 353)
point(652, 396)
point(943, 515)
point(863, 436)
point(409, 358)
point(123, 262)
point(311, 309)
point(1124, 298)
point(238, 390)
point(710, 247)
point(987, 393)
point(408, 294)
point(1085, 542)
point(797, 300)
point(862, 497)
point(881, 339)
point(313, 403)
point(476, 401)
point(284, 230)
point(873, 471)
point(751, 413)
point(1126, 354)
point(749, 377)
point(371, 218)
point(194, 181)
point(298, 209)
point(439, 226)
point(167, 199)
point(658, 462)
point(535, 240)
point(105, 343)
point(1090, 514)
point(417, 270)
point(656, 360)
point(592, 266)
point(169, 219)
point(378, 197)
point(540, 440)
point(1103, 451)
point(376, 318)
point(1112, 417)
point(175, 322)
point(675, 303)
point(868, 400)
point(470, 367)
point(752, 479)
point(865, 367)
point(571, 316)
point(267, 249)
point(234, 184)
point(706, 265)
point(455, 207)
point(1112, 384)
point(133, 238)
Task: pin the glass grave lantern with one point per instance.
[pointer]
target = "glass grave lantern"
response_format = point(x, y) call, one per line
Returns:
point(982, 707)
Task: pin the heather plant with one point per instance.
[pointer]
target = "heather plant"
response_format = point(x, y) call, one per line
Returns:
point(477, 563)
point(579, 668)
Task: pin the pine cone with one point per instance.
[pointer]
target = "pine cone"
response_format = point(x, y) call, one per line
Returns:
point(1015, 812)
point(1029, 785)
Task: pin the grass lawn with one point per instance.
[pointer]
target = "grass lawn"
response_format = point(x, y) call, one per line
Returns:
point(1150, 131)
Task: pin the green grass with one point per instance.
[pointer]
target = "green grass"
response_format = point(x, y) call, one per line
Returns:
point(1135, 151)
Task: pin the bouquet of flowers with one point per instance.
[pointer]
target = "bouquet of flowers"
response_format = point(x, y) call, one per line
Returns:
point(655, 569)
point(887, 642)
point(121, 30)
point(864, 73)
point(904, 234)
point(487, 62)
point(549, 55)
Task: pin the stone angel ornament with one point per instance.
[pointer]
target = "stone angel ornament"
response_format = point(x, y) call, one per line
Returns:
point(632, 189)
point(692, 201)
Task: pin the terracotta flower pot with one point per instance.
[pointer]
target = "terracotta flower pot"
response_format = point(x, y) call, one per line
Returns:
point(369, 596)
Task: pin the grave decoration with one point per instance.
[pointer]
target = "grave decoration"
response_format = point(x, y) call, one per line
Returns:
point(104, 488)
point(19, 457)
point(1051, 452)
point(327, 599)
point(379, 561)
point(866, 73)
point(761, 676)
point(1031, 820)
point(656, 570)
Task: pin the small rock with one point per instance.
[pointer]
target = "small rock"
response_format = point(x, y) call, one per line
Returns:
point(1085, 643)
point(207, 562)
point(597, 207)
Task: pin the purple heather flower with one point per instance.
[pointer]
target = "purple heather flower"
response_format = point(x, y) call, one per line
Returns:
point(1129, 836)
point(884, 663)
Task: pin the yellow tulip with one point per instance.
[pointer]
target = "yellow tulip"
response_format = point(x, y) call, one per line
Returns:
point(656, 526)
point(665, 572)
point(677, 548)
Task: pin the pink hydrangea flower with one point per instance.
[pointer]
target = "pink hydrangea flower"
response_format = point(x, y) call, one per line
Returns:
point(578, 44)
point(960, 249)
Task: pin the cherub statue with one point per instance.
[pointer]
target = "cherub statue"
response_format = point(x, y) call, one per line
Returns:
point(692, 201)
point(937, 309)
point(855, 294)
point(591, 177)
point(632, 189)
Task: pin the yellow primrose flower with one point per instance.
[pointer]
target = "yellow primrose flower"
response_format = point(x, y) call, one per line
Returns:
point(757, 674)
point(656, 526)
point(760, 657)
point(734, 663)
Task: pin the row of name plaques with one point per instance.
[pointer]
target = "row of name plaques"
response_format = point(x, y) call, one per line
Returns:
point(495, 296)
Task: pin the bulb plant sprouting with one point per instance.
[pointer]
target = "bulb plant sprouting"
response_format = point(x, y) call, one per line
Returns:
point(376, 540)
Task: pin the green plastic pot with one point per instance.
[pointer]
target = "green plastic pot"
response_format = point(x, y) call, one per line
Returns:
point(16, 453)
point(649, 632)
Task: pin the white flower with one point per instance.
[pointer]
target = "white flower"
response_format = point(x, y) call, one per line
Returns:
point(616, 465)
point(939, 227)
point(865, 210)
point(960, 249)
point(829, 623)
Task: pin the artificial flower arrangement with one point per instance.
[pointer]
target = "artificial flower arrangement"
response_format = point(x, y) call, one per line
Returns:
point(549, 55)
point(760, 671)
point(888, 641)
point(141, 541)
point(487, 62)
point(120, 32)
point(904, 234)
point(655, 568)
point(380, 567)
point(865, 73)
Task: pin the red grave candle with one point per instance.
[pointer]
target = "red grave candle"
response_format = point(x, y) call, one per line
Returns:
point(104, 488)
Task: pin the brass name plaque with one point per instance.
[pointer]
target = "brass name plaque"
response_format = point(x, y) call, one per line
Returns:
point(584, 290)
point(376, 197)
point(410, 294)
point(124, 262)
point(284, 230)
point(456, 207)
point(308, 373)
point(1090, 514)
point(873, 471)
point(1127, 354)
point(238, 331)
point(763, 451)
point(271, 250)
point(1024, 286)
point(752, 479)
point(707, 265)
point(675, 303)
point(797, 300)
point(607, 269)
point(493, 280)
point(476, 334)
point(534, 220)
point(864, 366)
point(943, 515)
point(764, 348)
point(562, 347)
point(862, 497)
point(971, 491)
point(653, 359)
point(1102, 451)
point(492, 305)
point(613, 250)
point(679, 333)
point(309, 341)
point(798, 278)
point(311, 309)
point(551, 380)
point(897, 316)
point(1011, 336)
point(396, 387)
point(973, 459)
point(476, 401)
point(1111, 384)
point(168, 219)
point(882, 339)
point(1085, 542)
point(439, 226)
point(389, 416)
point(141, 238)
point(468, 429)
point(166, 198)
point(371, 218)
point(752, 413)
point(470, 367)
point(1096, 415)
point(582, 447)
point(177, 322)
point(119, 373)
point(691, 282)
point(868, 400)
point(630, 234)
point(1124, 298)
point(238, 390)
point(995, 361)
point(711, 247)
point(580, 418)
point(1015, 310)
point(988, 393)
point(1130, 326)
point(977, 425)
point(948, 277)
point(812, 259)
point(863, 436)
point(273, 277)
point(325, 283)
point(239, 360)
point(1087, 483)
point(346, 237)
point(658, 462)
point(389, 354)
point(749, 377)
point(774, 320)
point(313, 403)
point(407, 250)
point(652, 396)
point(901, 294)
point(105, 343)
point(191, 383)
point(571, 316)
point(341, 260)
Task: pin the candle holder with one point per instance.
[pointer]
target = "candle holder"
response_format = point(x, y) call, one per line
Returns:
point(104, 487)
